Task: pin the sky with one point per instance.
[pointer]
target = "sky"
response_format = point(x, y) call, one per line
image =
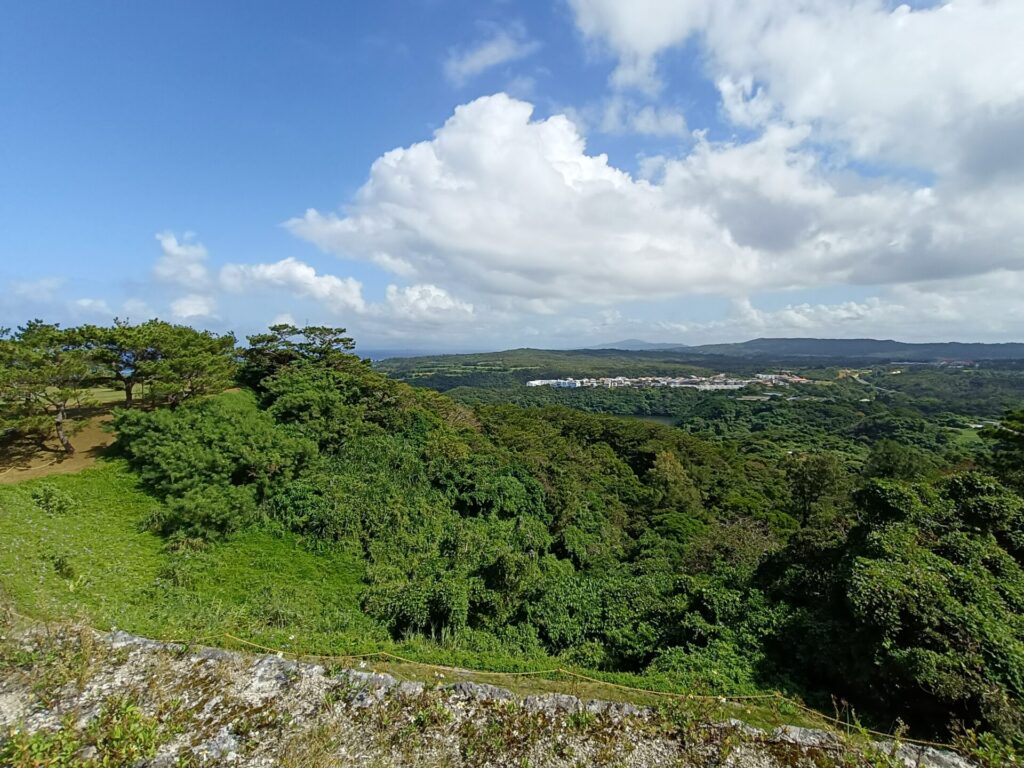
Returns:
point(444, 175)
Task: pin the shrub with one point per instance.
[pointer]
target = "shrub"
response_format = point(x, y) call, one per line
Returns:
point(213, 460)
point(49, 498)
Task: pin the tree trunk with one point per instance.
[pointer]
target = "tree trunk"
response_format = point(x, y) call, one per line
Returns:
point(129, 386)
point(69, 449)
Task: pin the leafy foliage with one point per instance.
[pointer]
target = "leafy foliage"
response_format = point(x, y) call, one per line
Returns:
point(214, 460)
point(1008, 454)
point(918, 606)
point(284, 344)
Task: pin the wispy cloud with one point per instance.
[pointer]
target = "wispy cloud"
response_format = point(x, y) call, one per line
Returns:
point(40, 290)
point(623, 116)
point(503, 46)
point(89, 306)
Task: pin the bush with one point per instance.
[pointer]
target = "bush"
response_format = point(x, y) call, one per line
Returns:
point(720, 667)
point(213, 460)
point(316, 507)
point(53, 500)
point(207, 510)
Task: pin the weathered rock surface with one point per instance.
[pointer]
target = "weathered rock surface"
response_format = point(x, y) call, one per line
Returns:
point(214, 707)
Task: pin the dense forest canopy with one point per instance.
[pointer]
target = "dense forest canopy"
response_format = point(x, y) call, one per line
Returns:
point(876, 557)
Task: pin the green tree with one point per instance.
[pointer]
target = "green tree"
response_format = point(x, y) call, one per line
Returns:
point(321, 403)
point(1007, 440)
point(813, 478)
point(43, 372)
point(284, 344)
point(916, 611)
point(676, 510)
point(896, 461)
point(191, 364)
point(174, 362)
point(214, 460)
point(936, 597)
point(124, 352)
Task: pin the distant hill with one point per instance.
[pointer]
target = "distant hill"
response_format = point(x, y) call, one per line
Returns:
point(387, 354)
point(638, 345)
point(877, 349)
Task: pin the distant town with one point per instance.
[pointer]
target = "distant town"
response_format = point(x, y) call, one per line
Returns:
point(718, 381)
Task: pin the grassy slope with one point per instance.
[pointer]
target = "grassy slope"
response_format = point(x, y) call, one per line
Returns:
point(97, 562)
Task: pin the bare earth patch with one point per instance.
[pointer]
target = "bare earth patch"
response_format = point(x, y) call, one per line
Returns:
point(27, 461)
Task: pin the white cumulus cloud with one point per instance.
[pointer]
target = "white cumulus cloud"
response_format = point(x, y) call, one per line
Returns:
point(638, 31)
point(338, 294)
point(182, 262)
point(937, 87)
point(515, 207)
point(500, 205)
point(425, 303)
point(193, 305)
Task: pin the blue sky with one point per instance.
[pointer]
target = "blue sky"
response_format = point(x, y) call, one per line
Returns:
point(430, 174)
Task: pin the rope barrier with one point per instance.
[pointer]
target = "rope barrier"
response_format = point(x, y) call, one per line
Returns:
point(24, 469)
point(722, 698)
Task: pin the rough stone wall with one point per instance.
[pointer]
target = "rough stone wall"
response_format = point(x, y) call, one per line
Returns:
point(218, 708)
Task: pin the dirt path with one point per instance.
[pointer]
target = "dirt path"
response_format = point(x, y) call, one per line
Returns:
point(18, 464)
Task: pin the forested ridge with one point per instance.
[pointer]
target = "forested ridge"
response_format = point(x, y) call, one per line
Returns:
point(888, 579)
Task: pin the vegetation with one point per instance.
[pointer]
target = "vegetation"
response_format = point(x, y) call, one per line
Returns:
point(932, 412)
point(171, 362)
point(516, 366)
point(43, 370)
point(119, 735)
point(327, 505)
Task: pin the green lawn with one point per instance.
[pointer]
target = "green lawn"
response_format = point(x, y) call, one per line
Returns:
point(97, 562)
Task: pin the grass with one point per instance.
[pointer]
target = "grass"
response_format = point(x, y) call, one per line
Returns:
point(93, 561)
point(968, 438)
point(75, 547)
point(96, 562)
